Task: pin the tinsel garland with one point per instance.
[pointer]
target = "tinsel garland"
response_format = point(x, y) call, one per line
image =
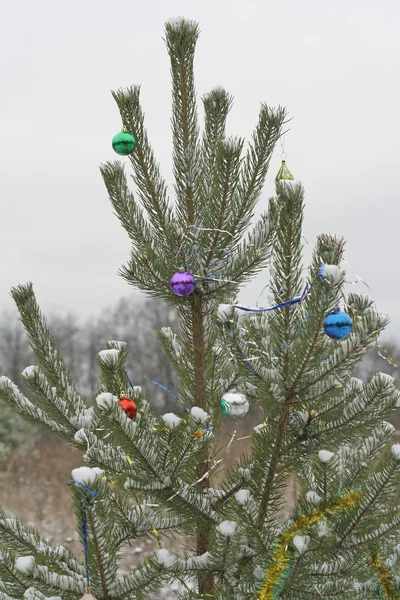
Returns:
point(281, 560)
point(387, 586)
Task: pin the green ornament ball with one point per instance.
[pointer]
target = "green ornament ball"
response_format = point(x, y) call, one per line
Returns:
point(123, 143)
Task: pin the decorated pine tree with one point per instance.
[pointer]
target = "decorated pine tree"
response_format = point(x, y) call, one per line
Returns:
point(164, 477)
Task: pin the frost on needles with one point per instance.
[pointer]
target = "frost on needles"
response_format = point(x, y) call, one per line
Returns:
point(218, 532)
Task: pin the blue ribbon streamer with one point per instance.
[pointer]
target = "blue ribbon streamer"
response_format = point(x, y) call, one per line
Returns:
point(245, 362)
point(186, 264)
point(163, 387)
point(84, 538)
point(128, 380)
point(82, 485)
point(215, 261)
point(263, 290)
point(320, 272)
point(84, 524)
point(300, 327)
point(268, 308)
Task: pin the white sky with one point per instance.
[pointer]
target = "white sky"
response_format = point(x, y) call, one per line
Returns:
point(335, 65)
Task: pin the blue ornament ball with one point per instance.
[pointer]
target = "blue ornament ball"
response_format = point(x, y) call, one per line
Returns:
point(338, 325)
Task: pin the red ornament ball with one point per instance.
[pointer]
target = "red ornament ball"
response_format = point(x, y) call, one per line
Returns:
point(128, 406)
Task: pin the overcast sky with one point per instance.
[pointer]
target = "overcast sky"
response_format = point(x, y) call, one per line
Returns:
point(335, 65)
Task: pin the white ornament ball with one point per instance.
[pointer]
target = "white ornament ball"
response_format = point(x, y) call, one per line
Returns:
point(234, 404)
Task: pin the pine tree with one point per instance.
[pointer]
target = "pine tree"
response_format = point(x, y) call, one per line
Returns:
point(160, 476)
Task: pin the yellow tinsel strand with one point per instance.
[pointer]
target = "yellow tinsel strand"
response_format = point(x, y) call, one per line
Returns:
point(281, 559)
point(388, 588)
point(156, 534)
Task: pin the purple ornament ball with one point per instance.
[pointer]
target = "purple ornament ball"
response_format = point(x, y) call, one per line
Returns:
point(182, 283)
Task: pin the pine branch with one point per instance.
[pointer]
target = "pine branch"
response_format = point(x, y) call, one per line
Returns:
point(309, 354)
point(286, 269)
point(239, 276)
point(151, 186)
point(42, 343)
point(131, 216)
point(255, 167)
point(184, 453)
point(12, 576)
point(96, 545)
point(367, 505)
point(203, 531)
point(181, 38)
point(227, 168)
point(217, 105)
point(12, 396)
point(383, 533)
point(273, 465)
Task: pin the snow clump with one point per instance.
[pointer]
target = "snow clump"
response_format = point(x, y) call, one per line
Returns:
point(30, 372)
point(244, 472)
point(165, 558)
point(323, 529)
point(199, 562)
point(111, 354)
point(118, 345)
point(225, 311)
point(199, 414)
point(334, 272)
point(227, 528)
point(301, 542)
point(171, 420)
point(259, 427)
point(313, 497)
point(325, 456)
point(33, 594)
point(242, 496)
point(25, 563)
point(396, 451)
point(106, 400)
point(86, 474)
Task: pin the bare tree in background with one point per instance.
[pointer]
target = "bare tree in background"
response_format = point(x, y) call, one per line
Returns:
point(386, 359)
point(66, 329)
point(129, 320)
point(137, 324)
point(15, 355)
